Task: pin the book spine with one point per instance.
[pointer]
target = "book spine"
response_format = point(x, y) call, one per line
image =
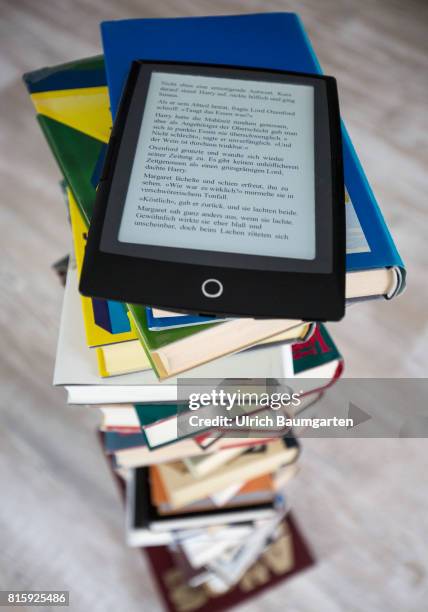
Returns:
point(136, 328)
point(354, 173)
point(102, 367)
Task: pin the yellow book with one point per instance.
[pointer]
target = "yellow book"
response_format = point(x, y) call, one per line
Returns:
point(116, 353)
point(85, 109)
point(121, 358)
point(95, 335)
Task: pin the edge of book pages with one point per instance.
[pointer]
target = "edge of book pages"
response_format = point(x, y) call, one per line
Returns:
point(182, 488)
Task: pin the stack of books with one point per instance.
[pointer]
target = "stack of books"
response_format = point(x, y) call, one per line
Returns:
point(211, 510)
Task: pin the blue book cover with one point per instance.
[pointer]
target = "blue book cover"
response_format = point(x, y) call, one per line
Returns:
point(266, 40)
point(118, 317)
point(110, 315)
point(156, 323)
point(147, 414)
point(101, 313)
point(114, 441)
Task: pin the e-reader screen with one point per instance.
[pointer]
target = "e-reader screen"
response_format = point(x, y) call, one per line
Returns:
point(224, 165)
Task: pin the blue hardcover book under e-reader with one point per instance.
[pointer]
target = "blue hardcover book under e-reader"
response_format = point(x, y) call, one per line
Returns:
point(266, 40)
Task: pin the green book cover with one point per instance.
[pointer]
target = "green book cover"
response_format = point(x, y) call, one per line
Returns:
point(317, 351)
point(153, 413)
point(77, 156)
point(154, 340)
point(150, 413)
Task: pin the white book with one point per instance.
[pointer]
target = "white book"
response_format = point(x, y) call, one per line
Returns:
point(76, 366)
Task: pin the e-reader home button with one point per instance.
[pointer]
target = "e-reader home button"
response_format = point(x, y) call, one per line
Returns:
point(212, 288)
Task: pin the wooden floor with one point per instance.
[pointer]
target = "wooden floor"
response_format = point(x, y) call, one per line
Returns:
point(361, 503)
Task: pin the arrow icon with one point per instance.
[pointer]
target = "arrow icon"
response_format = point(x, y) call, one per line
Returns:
point(357, 415)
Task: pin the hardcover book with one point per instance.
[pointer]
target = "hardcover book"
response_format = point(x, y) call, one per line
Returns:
point(182, 488)
point(270, 41)
point(282, 44)
point(273, 567)
point(318, 356)
point(97, 335)
point(70, 100)
point(178, 350)
point(143, 514)
point(76, 121)
point(76, 365)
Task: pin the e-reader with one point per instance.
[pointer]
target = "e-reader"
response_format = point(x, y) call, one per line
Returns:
point(222, 193)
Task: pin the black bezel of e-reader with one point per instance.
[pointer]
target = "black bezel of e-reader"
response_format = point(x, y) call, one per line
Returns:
point(206, 282)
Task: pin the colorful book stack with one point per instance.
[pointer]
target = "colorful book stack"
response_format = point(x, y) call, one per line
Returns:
point(211, 510)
